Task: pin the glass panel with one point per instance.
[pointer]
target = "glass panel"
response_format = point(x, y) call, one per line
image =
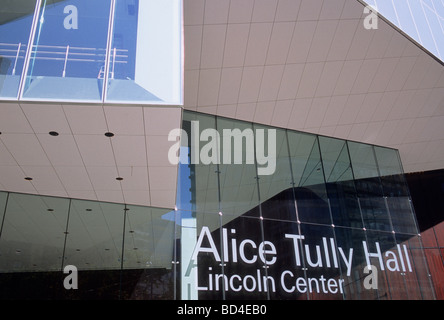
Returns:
point(244, 270)
point(381, 252)
point(301, 146)
point(322, 263)
point(148, 238)
point(407, 24)
point(238, 178)
point(368, 186)
point(414, 267)
point(339, 182)
point(353, 273)
point(145, 56)
point(402, 215)
point(95, 233)
point(33, 233)
point(198, 188)
point(386, 8)
point(310, 193)
point(200, 256)
point(425, 36)
point(288, 269)
point(15, 29)
point(148, 250)
point(396, 190)
point(3, 202)
point(276, 192)
point(68, 53)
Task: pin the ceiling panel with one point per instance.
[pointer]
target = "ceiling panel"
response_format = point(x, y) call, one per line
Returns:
point(301, 41)
point(12, 179)
point(46, 117)
point(310, 9)
point(25, 148)
point(240, 11)
point(122, 120)
point(264, 10)
point(86, 119)
point(236, 45)
point(213, 42)
point(257, 45)
point(62, 150)
point(74, 178)
point(13, 120)
point(193, 34)
point(129, 150)
point(95, 149)
point(229, 85)
point(45, 180)
point(216, 11)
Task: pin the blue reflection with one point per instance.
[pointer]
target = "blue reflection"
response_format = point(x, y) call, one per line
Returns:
point(70, 43)
point(14, 34)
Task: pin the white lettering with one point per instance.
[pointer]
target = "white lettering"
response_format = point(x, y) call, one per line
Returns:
point(71, 20)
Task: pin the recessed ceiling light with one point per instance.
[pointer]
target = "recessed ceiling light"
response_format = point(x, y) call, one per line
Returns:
point(28, 178)
point(109, 134)
point(53, 133)
point(119, 178)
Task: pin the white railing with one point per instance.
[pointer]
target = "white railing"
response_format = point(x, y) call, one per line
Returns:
point(64, 53)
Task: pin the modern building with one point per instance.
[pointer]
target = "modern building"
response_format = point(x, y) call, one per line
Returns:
point(220, 149)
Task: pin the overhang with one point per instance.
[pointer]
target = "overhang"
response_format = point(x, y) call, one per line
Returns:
point(311, 65)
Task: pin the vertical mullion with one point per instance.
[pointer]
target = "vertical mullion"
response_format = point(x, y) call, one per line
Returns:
point(29, 49)
point(108, 49)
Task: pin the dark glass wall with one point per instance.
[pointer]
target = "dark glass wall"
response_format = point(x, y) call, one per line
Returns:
point(119, 251)
point(307, 218)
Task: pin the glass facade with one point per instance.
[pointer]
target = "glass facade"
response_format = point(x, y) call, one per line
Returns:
point(297, 217)
point(423, 20)
point(329, 209)
point(91, 51)
point(120, 251)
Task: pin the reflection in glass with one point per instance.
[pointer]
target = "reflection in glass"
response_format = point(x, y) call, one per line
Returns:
point(347, 238)
point(276, 192)
point(148, 238)
point(339, 182)
point(145, 52)
point(15, 28)
point(238, 179)
point(368, 187)
point(95, 233)
point(199, 184)
point(309, 188)
point(33, 233)
point(122, 83)
point(68, 54)
point(418, 283)
point(395, 190)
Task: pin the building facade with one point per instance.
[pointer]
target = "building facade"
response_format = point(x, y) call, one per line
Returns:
point(212, 149)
